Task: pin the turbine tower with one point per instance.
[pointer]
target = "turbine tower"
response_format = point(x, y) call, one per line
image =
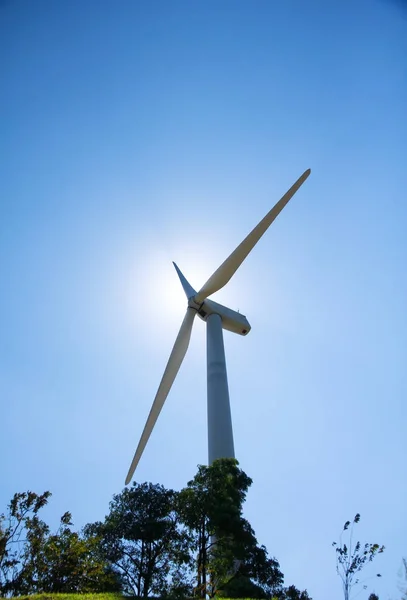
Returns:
point(217, 318)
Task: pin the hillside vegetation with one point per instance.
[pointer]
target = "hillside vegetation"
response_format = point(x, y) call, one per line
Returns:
point(101, 596)
point(153, 543)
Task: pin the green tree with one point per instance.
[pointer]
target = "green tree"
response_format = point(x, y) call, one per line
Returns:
point(242, 587)
point(262, 569)
point(34, 560)
point(351, 558)
point(142, 539)
point(292, 593)
point(22, 511)
point(63, 562)
point(223, 545)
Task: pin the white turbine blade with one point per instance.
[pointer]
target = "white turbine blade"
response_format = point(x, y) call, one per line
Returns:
point(229, 267)
point(174, 362)
point(188, 289)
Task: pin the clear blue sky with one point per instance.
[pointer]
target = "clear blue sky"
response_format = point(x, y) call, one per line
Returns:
point(135, 133)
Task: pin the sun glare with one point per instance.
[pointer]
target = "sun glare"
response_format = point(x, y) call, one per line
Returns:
point(154, 300)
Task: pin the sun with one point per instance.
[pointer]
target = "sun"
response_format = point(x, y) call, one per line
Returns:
point(153, 300)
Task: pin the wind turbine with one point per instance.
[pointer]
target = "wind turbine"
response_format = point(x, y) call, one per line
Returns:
point(217, 318)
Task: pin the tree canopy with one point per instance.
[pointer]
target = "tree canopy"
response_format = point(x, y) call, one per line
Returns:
point(142, 539)
point(153, 542)
point(33, 560)
point(223, 542)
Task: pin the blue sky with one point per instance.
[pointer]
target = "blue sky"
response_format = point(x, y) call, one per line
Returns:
point(137, 133)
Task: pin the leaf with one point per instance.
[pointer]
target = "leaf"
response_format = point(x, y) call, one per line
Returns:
point(66, 519)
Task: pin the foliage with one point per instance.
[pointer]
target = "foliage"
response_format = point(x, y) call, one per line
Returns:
point(20, 518)
point(292, 593)
point(241, 587)
point(262, 569)
point(63, 562)
point(85, 596)
point(373, 597)
point(153, 542)
point(143, 541)
point(351, 559)
point(34, 560)
point(223, 543)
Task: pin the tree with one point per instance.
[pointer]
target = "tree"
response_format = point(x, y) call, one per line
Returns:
point(153, 541)
point(373, 597)
point(224, 546)
point(22, 511)
point(63, 562)
point(351, 559)
point(242, 587)
point(143, 541)
point(262, 569)
point(33, 560)
point(292, 593)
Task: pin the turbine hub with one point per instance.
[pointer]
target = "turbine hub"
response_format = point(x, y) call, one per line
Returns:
point(193, 304)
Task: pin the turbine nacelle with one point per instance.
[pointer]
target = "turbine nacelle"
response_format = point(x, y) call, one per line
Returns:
point(231, 320)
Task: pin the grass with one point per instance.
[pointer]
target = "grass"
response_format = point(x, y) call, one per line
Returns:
point(104, 596)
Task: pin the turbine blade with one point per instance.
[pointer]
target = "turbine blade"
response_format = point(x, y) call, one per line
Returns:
point(174, 362)
point(188, 289)
point(229, 267)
